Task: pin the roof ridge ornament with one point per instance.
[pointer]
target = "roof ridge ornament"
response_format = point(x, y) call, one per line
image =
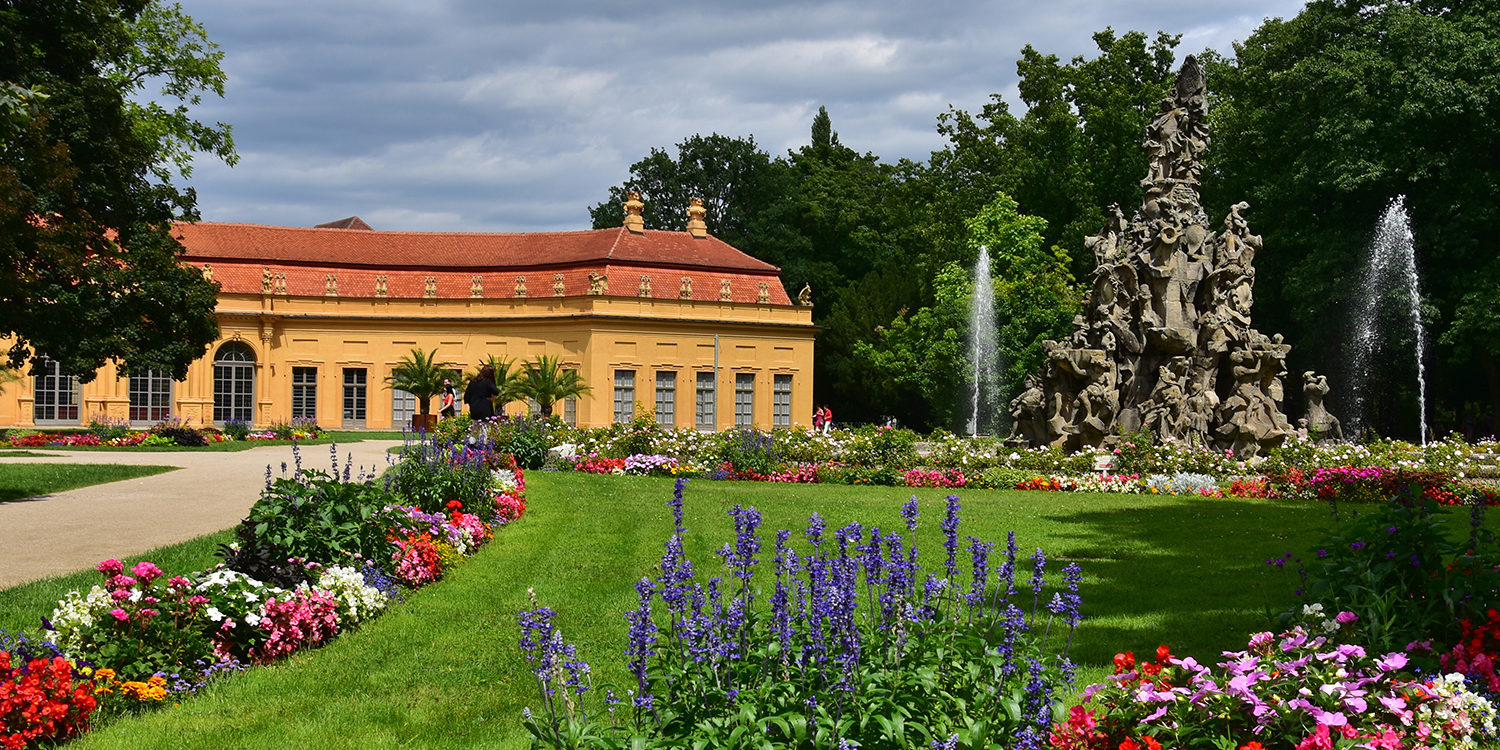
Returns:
point(695, 213)
point(633, 210)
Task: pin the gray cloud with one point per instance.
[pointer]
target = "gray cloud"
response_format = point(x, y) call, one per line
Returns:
point(477, 116)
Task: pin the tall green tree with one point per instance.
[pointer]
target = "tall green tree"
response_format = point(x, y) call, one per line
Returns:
point(918, 361)
point(1319, 121)
point(1076, 149)
point(90, 164)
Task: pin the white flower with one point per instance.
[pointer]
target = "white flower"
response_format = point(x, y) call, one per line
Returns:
point(214, 614)
point(252, 619)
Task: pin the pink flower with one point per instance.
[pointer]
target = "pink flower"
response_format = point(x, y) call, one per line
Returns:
point(119, 614)
point(1344, 618)
point(146, 571)
point(120, 582)
point(110, 567)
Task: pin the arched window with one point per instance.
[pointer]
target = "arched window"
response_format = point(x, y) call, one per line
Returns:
point(56, 394)
point(234, 383)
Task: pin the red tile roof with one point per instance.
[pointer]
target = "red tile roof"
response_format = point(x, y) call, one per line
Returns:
point(301, 260)
point(446, 250)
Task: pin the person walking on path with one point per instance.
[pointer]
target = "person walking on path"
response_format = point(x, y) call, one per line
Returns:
point(827, 419)
point(818, 419)
point(478, 396)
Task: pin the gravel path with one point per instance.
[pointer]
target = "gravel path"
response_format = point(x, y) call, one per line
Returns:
point(67, 531)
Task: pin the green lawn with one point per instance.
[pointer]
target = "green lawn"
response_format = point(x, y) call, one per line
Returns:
point(444, 669)
point(29, 480)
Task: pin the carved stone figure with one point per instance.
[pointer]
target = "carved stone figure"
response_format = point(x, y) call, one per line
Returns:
point(330, 285)
point(476, 286)
point(208, 273)
point(724, 292)
point(520, 290)
point(380, 288)
point(1165, 342)
point(265, 280)
point(429, 290)
point(1319, 422)
point(686, 291)
point(557, 285)
point(644, 289)
point(804, 297)
point(763, 293)
point(598, 283)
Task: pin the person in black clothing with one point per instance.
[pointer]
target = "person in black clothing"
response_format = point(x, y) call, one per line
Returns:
point(479, 393)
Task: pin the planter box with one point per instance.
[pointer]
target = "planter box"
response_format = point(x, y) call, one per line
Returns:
point(424, 422)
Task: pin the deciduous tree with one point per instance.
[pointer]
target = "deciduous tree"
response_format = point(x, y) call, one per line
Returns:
point(89, 167)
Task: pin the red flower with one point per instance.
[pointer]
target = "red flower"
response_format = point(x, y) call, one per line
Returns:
point(1151, 743)
point(1124, 662)
point(1163, 654)
point(1129, 745)
point(454, 505)
point(1252, 746)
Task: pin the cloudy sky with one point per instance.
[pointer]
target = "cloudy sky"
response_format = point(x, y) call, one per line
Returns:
point(473, 115)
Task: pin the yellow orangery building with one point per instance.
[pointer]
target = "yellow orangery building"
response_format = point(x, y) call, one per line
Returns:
point(312, 321)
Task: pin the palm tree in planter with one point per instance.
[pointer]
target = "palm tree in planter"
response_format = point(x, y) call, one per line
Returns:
point(507, 379)
point(544, 381)
point(421, 375)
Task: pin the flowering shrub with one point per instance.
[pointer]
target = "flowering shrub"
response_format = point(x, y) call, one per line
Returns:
point(1307, 687)
point(417, 562)
point(356, 599)
point(40, 702)
point(796, 474)
point(304, 618)
point(1181, 483)
point(236, 601)
point(853, 627)
point(922, 478)
point(650, 465)
point(1395, 567)
point(146, 628)
point(596, 464)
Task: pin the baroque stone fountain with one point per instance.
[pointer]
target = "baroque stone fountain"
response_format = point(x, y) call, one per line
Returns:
point(1165, 342)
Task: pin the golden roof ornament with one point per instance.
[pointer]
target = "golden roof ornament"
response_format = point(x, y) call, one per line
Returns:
point(476, 287)
point(804, 297)
point(763, 293)
point(724, 294)
point(208, 273)
point(380, 290)
point(280, 287)
point(430, 290)
point(686, 291)
point(330, 285)
point(645, 288)
point(695, 213)
point(557, 285)
point(633, 209)
point(520, 286)
point(265, 280)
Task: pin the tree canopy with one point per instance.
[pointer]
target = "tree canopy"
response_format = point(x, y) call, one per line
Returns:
point(89, 169)
point(1317, 121)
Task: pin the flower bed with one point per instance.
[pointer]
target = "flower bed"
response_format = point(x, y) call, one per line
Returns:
point(1310, 687)
point(343, 551)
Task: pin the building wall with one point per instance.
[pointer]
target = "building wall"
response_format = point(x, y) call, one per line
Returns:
point(599, 335)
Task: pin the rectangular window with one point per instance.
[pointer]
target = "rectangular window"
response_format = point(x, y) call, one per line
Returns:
point(403, 406)
point(666, 398)
point(150, 396)
point(354, 397)
point(781, 401)
point(532, 407)
point(707, 416)
point(570, 408)
point(624, 395)
point(56, 394)
point(744, 399)
point(305, 393)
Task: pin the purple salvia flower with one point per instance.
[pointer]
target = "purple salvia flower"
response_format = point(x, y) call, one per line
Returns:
point(1038, 577)
point(642, 638)
point(979, 552)
point(1036, 710)
point(676, 504)
point(815, 527)
point(949, 744)
point(950, 535)
point(910, 513)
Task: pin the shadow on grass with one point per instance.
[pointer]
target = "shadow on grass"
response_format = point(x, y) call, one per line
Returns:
point(1191, 575)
